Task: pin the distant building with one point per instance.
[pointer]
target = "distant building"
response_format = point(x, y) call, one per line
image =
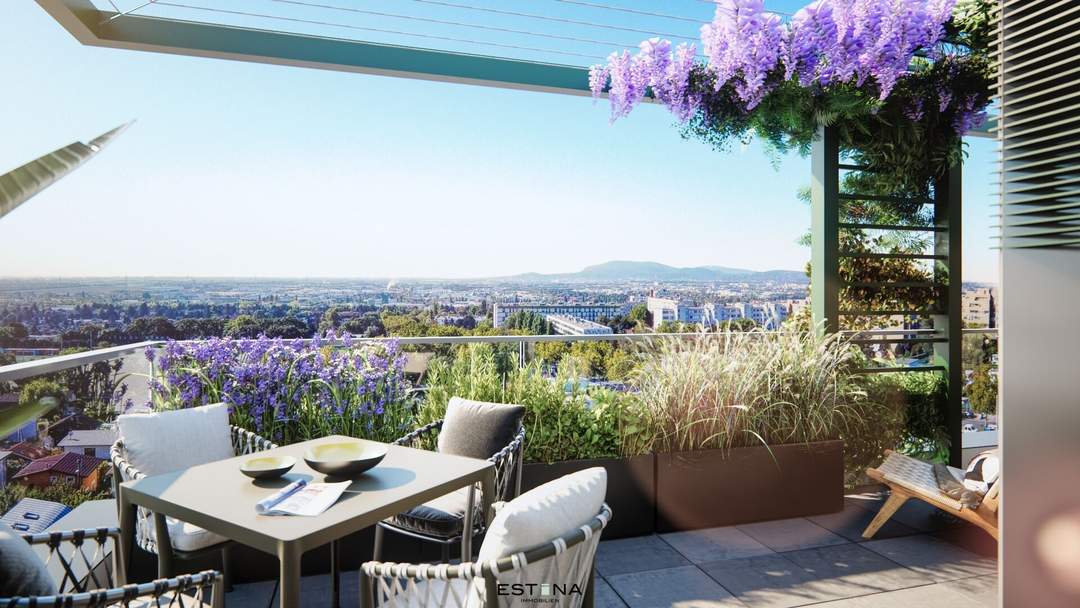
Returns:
point(768, 315)
point(90, 443)
point(75, 422)
point(589, 312)
point(66, 468)
point(3, 468)
point(29, 451)
point(979, 307)
point(572, 326)
point(30, 515)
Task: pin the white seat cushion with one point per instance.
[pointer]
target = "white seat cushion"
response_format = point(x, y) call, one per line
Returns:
point(187, 537)
point(162, 442)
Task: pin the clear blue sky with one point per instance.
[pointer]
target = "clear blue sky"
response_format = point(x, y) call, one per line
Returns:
point(238, 169)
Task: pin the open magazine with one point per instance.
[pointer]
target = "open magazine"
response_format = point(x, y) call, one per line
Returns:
point(302, 498)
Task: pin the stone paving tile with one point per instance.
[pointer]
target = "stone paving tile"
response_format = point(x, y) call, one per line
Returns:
point(713, 544)
point(316, 592)
point(791, 534)
point(636, 555)
point(683, 587)
point(981, 589)
point(932, 557)
point(973, 539)
point(851, 570)
point(771, 581)
point(797, 578)
point(604, 596)
point(939, 595)
point(851, 522)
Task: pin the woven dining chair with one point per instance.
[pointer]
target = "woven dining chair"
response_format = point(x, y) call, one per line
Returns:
point(90, 577)
point(171, 547)
point(501, 442)
point(559, 568)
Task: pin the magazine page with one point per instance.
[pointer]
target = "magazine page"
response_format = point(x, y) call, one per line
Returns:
point(302, 498)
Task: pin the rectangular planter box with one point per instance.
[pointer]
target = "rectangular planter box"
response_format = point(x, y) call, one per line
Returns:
point(710, 488)
point(631, 489)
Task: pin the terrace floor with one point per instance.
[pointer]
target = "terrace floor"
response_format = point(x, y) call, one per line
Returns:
point(920, 558)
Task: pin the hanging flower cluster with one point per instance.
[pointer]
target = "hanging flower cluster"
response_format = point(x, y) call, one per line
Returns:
point(289, 390)
point(856, 42)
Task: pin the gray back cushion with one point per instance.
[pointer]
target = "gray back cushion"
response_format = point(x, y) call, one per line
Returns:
point(22, 573)
point(478, 429)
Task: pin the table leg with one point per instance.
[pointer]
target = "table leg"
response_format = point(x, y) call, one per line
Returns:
point(487, 495)
point(289, 576)
point(467, 528)
point(335, 573)
point(126, 543)
point(164, 547)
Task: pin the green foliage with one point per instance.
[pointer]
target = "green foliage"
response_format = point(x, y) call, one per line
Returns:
point(529, 322)
point(563, 422)
point(552, 352)
point(983, 390)
point(922, 397)
point(906, 154)
point(39, 388)
point(243, 326)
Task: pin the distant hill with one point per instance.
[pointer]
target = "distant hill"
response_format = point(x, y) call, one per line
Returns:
point(621, 270)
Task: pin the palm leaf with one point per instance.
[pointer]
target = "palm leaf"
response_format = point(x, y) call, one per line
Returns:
point(21, 184)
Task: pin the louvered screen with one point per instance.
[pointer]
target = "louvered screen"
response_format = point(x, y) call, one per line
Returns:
point(1039, 127)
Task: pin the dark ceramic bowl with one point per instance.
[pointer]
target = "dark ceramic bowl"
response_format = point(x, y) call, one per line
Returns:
point(267, 467)
point(345, 458)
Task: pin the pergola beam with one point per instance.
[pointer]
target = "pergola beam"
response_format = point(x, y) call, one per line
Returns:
point(94, 27)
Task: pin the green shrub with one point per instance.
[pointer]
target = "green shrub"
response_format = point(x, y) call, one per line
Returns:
point(40, 388)
point(563, 421)
point(920, 398)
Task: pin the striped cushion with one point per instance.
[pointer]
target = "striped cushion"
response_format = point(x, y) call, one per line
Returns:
point(982, 472)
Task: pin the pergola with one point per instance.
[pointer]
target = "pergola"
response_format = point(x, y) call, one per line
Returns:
point(167, 27)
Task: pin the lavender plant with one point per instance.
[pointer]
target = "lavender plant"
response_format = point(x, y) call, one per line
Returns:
point(866, 66)
point(290, 390)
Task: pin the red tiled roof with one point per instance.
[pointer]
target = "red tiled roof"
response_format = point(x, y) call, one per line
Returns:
point(29, 451)
point(67, 463)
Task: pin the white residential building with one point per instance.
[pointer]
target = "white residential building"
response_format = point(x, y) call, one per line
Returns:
point(765, 314)
point(573, 326)
point(90, 443)
point(979, 307)
point(589, 312)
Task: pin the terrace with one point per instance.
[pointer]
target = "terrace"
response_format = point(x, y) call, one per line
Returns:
point(803, 544)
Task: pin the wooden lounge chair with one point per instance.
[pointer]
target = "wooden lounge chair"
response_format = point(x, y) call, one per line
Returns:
point(909, 477)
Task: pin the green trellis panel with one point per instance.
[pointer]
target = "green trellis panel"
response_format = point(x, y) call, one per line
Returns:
point(826, 283)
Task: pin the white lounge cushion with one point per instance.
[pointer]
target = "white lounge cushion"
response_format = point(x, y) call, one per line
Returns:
point(188, 537)
point(162, 442)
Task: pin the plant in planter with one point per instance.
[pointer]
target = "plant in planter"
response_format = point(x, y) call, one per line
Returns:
point(563, 421)
point(756, 416)
point(288, 390)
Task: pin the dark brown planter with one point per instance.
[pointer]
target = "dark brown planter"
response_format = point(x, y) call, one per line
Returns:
point(631, 489)
point(709, 488)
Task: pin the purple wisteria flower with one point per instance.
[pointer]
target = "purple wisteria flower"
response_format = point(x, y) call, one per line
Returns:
point(828, 42)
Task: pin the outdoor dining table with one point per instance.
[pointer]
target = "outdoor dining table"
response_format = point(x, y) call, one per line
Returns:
point(219, 498)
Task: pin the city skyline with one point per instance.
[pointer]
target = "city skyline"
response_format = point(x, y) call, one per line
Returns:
point(271, 172)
